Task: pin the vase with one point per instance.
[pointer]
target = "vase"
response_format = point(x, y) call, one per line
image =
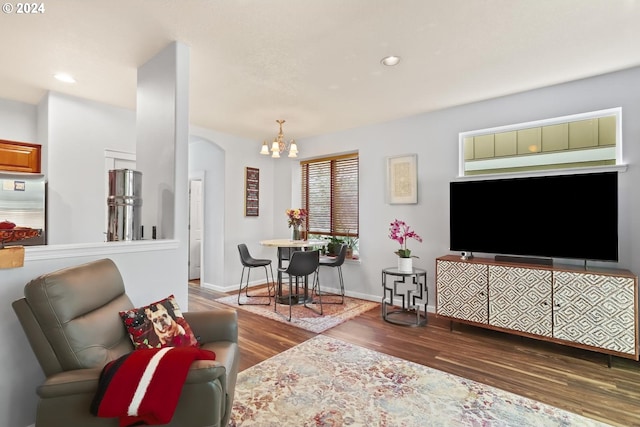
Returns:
point(405, 265)
point(296, 232)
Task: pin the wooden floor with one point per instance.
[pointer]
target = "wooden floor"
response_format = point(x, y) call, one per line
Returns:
point(572, 379)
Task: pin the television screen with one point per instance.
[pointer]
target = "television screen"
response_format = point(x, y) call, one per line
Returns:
point(562, 216)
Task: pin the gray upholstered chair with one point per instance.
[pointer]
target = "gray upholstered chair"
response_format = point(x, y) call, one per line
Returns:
point(302, 264)
point(248, 263)
point(334, 262)
point(71, 319)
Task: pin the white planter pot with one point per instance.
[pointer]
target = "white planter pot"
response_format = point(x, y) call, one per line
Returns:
point(405, 265)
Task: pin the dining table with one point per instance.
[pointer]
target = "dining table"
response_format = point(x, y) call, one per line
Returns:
point(286, 248)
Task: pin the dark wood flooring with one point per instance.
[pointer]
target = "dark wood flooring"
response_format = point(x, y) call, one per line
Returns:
point(573, 379)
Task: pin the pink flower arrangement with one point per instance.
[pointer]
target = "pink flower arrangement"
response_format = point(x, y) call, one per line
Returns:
point(296, 216)
point(401, 233)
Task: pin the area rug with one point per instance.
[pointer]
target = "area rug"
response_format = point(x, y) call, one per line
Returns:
point(326, 382)
point(303, 317)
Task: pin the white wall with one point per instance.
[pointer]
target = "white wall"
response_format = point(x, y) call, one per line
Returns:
point(238, 154)
point(163, 84)
point(18, 121)
point(78, 131)
point(434, 138)
point(207, 160)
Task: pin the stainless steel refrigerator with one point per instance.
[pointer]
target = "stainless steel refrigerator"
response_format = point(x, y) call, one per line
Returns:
point(22, 209)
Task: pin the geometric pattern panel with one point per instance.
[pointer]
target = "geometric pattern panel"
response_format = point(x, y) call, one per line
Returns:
point(520, 299)
point(595, 310)
point(461, 291)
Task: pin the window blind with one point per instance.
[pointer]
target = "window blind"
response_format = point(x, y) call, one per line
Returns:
point(330, 195)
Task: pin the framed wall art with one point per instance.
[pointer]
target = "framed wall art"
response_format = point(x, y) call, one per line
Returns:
point(402, 179)
point(251, 191)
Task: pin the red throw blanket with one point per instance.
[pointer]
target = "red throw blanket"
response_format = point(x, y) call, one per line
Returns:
point(143, 387)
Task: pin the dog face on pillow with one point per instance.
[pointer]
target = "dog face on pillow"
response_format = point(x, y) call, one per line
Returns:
point(159, 324)
point(164, 324)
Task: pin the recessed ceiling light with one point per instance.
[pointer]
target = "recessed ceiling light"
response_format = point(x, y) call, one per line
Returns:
point(390, 60)
point(64, 77)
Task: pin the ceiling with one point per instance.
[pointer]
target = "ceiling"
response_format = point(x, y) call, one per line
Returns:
point(316, 63)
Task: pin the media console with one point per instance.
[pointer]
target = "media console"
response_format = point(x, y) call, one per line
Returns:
point(591, 309)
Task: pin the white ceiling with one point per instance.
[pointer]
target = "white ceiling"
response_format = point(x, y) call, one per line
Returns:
point(316, 63)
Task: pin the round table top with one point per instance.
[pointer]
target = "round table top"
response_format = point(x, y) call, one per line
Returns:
point(288, 243)
point(394, 271)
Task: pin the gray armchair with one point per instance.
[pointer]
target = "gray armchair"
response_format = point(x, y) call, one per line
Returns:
point(71, 320)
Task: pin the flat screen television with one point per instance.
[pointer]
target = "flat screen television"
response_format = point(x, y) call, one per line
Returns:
point(557, 216)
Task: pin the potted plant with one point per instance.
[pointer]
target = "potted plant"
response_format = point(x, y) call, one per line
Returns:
point(333, 247)
point(401, 233)
point(352, 245)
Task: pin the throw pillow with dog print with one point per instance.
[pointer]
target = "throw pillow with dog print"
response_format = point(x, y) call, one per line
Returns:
point(159, 324)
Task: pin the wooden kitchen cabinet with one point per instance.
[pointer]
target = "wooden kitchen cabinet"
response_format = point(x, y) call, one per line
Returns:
point(20, 157)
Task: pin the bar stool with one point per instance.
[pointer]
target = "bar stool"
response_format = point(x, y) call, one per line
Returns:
point(301, 265)
point(334, 262)
point(249, 262)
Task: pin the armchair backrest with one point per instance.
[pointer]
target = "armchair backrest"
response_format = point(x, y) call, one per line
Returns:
point(72, 315)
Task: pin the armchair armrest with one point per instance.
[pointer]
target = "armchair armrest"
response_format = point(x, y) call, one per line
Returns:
point(214, 325)
point(66, 383)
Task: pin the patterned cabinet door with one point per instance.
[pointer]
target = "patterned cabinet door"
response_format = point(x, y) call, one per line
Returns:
point(461, 290)
point(520, 299)
point(595, 310)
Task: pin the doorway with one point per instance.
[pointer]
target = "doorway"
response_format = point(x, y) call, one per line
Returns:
point(207, 164)
point(196, 212)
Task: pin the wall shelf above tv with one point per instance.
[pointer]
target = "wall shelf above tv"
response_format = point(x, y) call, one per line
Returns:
point(591, 139)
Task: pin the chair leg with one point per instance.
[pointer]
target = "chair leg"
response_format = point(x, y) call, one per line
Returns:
point(315, 285)
point(275, 302)
point(316, 278)
point(240, 287)
point(246, 288)
point(273, 282)
point(290, 296)
point(271, 285)
point(341, 281)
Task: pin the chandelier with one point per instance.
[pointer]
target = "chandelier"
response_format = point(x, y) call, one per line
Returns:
point(278, 145)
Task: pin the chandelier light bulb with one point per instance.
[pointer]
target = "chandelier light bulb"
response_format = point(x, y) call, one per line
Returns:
point(265, 148)
point(293, 147)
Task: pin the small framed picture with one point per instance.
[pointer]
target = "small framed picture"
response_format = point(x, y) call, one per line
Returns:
point(402, 179)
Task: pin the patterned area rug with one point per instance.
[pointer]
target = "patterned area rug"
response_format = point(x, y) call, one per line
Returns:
point(327, 382)
point(303, 317)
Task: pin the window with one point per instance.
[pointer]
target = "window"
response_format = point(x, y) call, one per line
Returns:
point(581, 140)
point(330, 195)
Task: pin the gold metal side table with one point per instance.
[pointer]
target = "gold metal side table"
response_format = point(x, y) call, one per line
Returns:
point(412, 312)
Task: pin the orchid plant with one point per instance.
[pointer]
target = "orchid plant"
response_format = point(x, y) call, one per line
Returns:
point(401, 233)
